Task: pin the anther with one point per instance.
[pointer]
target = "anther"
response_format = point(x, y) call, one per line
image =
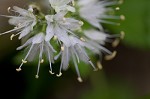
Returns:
point(82, 39)
point(24, 61)
point(122, 34)
point(120, 1)
point(58, 75)
point(30, 9)
point(117, 8)
point(80, 79)
point(73, 3)
point(122, 17)
point(42, 61)
point(51, 72)
point(12, 36)
point(8, 9)
point(81, 23)
point(62, 48)
point(99, 65)
point(36, 76)
point(110, 57)
point(18, 69)
point(116, 42)
point(55, 37)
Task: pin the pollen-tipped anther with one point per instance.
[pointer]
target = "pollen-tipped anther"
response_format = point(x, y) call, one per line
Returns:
point(8, 9)
point(51, 72)
point(18, 69)
point(122, 17)
point(62, 48)
point(81, 23)
point(24, 61)
point(36, 76)
point(73, 3)
point(12, 36)
point(80, 79)
point(42, 61)
point(30, 9)
point(55, 37)
point(122, 34)
point(82, 39)
point(58, 75)
point(111, 56)
point(120, 1)
point(116, 42)
point(99, 65)
point(117, 8)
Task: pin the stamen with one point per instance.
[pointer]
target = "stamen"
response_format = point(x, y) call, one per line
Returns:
point(42, 61)
point(62, 48)
point(58, 75)
point(120, 1)
point(30, 9)
point(99, 65)
point(18, 69)
point(110, 57)
point(82, 39)
point(55, 37)
point(51, 72)
point(73, 3)
point(122, 34)
point(36, 76)
point(95, 69)
point(122, 17)
point(80, 79)
point(12, 36)
point(117, 8)
point(8, 9)
point(24, 61)
point(81, 23)
point(115, 43)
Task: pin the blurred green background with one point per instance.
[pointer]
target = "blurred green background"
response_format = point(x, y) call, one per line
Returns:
point(125, 77)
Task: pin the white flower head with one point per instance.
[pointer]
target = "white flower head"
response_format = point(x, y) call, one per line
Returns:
point(77, 53)
point(23, 23)
point(59, 26)
point(95, 12)
point(38, 46)
point(73, 42)
point(61, 5)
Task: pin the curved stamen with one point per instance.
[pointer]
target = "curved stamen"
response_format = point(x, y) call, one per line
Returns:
point(24, 60)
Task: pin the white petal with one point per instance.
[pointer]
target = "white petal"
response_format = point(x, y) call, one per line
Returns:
point(49, 32)
point(70, 8)
point(38, 38)
point(25, 31)
point(25, 44)
point(95, 35)
point(62, 35)
point(21, 11)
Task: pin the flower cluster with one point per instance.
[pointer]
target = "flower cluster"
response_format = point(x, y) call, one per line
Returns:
point(63, 26)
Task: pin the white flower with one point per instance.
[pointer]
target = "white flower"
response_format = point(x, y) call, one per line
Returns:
point(38, 46)
point(62, 5)
point(59, 26)
point(95, 12)
point(24, 22)
point(76, 52)
point(95, 41)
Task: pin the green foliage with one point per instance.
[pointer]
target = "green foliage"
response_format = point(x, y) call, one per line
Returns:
point(137, 23)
